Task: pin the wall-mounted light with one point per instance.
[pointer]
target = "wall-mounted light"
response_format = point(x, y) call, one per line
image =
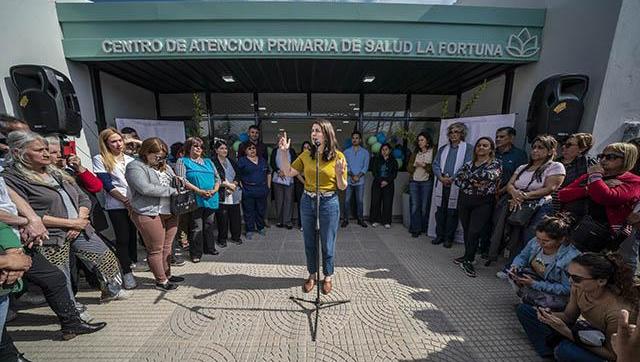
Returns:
point(356, 108)
point(262, 108)
point(228, 78)
point(368, 78)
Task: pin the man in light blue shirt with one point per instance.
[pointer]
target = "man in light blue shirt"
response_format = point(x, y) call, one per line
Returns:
point(358, 165)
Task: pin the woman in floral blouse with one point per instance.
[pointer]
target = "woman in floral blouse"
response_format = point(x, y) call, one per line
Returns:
point(478, 181)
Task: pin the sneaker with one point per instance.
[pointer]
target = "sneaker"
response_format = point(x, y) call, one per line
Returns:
point(166, 286)
point(121, 295)
point(343, 224)
point(301, 229)
point(249, 236)
point(222, 243)
point(177, 260)
point(502, 274)
point(262, 232)
point(140, 267)
point(375, 225)
point(128, 281)
point(387, 226)
point(362, 223)
point(237, 242)
point(175, 279)
point(415, 235)
point(458, 261)
point(448, 244)
point(289, 227)
point(468, 269)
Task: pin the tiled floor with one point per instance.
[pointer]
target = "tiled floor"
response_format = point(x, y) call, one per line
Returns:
point(408, 302)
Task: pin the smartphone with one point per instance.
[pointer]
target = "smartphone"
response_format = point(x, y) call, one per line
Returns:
point(68, 148)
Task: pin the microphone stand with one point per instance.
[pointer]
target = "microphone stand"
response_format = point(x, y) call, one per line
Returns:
point(319, 304)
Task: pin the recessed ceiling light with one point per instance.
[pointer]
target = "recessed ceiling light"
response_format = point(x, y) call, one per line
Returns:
point(228, 78)
point(356, 108)
point(338, 129)
point(274, 122)
point(368, 78)
point(281, 130)
point(345, 122)
point(352, 104)
point(262, 108)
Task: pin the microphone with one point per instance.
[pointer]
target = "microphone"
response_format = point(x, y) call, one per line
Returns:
point(316, 142)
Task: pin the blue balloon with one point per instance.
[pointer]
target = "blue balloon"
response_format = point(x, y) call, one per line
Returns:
point(397, 153)
point(244, 137)
point(347, 143)
point(381, 137)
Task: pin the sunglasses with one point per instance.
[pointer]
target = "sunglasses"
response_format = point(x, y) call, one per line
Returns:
point(578, 279)
point(610, 156)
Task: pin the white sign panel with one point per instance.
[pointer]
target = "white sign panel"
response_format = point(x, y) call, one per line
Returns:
point(169, 131)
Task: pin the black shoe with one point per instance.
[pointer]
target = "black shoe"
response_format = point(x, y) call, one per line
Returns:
point(166, 287)
point(468, 269)
point(436, 241)
point(175, 279)
point(177, 260)
point(485, 256)
point(212, 252)
point(289, 227)
point(237, 242)
point(362, 223)
point(80, 327)
point(279, 225)
point(222, 244)
point(415, 235)
point(344, 223)
point(448, 244)
point(21, 358)
point(458, 261)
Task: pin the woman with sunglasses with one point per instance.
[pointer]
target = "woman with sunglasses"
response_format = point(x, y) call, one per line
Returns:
point(609, 189)
point(256, 183)
point(200, 177)
point(150, 185)
point(601, 285)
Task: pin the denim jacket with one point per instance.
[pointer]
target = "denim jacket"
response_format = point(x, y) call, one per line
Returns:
point(556, 278)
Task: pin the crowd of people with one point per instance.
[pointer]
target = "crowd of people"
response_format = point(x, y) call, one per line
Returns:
point(565, 222)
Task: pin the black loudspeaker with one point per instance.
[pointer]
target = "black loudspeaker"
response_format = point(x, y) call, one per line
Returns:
point(46, 99)
point(556, 106)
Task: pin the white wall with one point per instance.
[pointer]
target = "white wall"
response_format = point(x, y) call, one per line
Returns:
point(30, 34)
point(125, 100)
point(489, 100)
point(577, 39)
point(620, 98)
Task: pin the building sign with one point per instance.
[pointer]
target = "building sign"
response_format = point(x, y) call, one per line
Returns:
point(520, 45)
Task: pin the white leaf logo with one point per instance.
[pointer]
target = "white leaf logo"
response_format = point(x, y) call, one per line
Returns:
point(522, 45)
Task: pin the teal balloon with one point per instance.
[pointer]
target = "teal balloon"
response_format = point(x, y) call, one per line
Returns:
point(381, 137)
point(236, 145)
point(372, 140)
point(375, 148)
point(244, 137)
point(397, 153)
point(399, 161)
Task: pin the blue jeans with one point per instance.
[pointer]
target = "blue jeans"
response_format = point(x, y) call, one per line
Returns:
point(538, 332)
point(420, 201)
point(4, 309)
point(358, 190)
point(329, 219)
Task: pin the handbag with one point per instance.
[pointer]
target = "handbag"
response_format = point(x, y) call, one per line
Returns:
point(591, 235)
point(538, 298)
point(522, 217)
point(184, 201)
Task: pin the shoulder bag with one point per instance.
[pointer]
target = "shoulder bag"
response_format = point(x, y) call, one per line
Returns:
point(522, 217)
point(184, 201)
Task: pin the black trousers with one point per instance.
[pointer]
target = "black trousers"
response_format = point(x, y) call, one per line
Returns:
point(228, 219)
point(446, 218)
point(202, 232)
point(381, 207)
point(53, 283)
point(126, 238)
point(474, 212)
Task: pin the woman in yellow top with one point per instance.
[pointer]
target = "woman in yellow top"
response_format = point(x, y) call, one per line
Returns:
point(332, 176)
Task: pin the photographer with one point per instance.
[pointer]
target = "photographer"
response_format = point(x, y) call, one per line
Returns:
point(539, 272)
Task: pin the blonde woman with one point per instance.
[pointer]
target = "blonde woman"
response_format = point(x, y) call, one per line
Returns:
point(109, 166)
